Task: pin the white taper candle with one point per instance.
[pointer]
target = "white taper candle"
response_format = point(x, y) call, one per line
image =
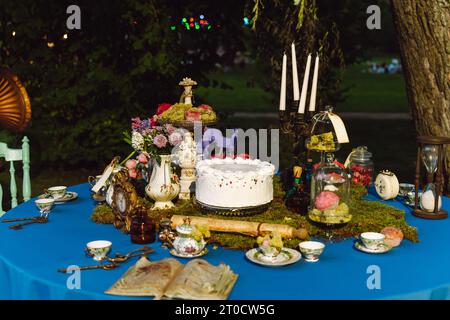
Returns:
point(295, 73)
point(312, 101)
point(302, 104)
point(283, 84)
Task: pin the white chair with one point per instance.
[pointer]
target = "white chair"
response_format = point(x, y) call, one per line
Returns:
point(10, 156)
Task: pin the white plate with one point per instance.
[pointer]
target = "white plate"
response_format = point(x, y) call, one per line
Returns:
point(287, 256)
point(188, 256)
point(69, 196)
point(381, 249)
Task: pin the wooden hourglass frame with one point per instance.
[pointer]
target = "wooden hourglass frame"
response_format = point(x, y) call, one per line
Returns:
point(436, 178)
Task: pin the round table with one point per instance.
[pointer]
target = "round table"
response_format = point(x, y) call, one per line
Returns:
point(29, 260)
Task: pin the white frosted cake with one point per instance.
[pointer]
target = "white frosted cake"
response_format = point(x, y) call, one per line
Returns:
point(234, 183)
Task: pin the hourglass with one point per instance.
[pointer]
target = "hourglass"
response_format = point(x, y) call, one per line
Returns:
point(430, 152)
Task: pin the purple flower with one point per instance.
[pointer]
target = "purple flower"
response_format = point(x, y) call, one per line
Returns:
point(175, 138)
point(136, 123)
point(145, 124)
point(160, 141)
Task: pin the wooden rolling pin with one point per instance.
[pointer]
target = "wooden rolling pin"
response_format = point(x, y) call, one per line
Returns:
point(253, 229)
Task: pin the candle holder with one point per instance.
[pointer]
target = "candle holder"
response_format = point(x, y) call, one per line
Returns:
point(430, 151)
point(296, 126)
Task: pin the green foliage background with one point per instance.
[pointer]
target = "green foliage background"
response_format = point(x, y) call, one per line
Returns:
point(84, 90)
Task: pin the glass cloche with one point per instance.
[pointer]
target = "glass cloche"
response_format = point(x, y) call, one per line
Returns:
point(330, 191)
point(323, 136)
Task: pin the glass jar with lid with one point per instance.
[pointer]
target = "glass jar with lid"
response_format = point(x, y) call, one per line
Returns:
point(361, 166)
point(330, 192)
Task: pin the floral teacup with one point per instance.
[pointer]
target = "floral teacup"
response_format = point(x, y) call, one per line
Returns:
point(311, 250)
point(57, 192)
point(44, 205)
point(372, 240)
point(98, 249)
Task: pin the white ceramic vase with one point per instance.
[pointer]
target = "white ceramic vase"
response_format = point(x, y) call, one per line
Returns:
point(162, 187)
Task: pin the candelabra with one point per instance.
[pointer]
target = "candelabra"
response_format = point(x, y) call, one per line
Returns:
point(297, 127)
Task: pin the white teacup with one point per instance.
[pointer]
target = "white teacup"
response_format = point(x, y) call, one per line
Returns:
point(44, 205)
point(372, 240)
point(57, 192)
point(311, 250)
point(99, 249)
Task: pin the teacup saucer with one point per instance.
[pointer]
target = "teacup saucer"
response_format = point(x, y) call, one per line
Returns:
point(287, 256)
point(69, 196)
point(187, 255)
point(380, 249)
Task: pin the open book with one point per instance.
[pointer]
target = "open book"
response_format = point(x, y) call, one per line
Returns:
point(168, 278)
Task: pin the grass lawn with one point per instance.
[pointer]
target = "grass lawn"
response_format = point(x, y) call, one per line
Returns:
point(373, 92)
point(240, 92)
point(366, 92)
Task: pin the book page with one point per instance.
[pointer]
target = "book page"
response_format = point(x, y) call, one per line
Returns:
point(199, 280)
point(146, 278)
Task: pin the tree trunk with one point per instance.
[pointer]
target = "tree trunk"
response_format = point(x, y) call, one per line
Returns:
point(423, 32)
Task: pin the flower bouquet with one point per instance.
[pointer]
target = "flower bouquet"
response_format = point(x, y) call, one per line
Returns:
point(154, 142)
point(150, 140)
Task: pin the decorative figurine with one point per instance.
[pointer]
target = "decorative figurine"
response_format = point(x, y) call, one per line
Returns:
point(166, 235)
point(187, 96)
point(187, 158)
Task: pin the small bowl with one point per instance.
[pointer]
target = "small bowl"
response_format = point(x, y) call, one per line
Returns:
point(44, 205)
point(99, 249)
point(57, 192)
point(311, 250)
point(372, 240)
point(405, 188)
point(269, 251)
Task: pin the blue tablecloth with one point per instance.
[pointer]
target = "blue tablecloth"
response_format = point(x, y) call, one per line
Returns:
point(29, 259)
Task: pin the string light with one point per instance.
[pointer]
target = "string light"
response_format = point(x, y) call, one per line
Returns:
point(65, 36)
point(50, 44)
point(13, 33)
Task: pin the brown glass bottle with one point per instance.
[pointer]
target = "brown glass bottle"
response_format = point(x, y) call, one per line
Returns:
point(143, 229)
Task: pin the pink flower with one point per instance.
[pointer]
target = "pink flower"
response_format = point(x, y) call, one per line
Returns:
point(160, 141)
point(162, 107)
point(142, 158)
point(132, 173)
point(136, 123)
point(131, 164)
point(175, 138)
point(170, 128)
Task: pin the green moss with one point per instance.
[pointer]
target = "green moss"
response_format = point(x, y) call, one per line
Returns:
point(367, 216)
